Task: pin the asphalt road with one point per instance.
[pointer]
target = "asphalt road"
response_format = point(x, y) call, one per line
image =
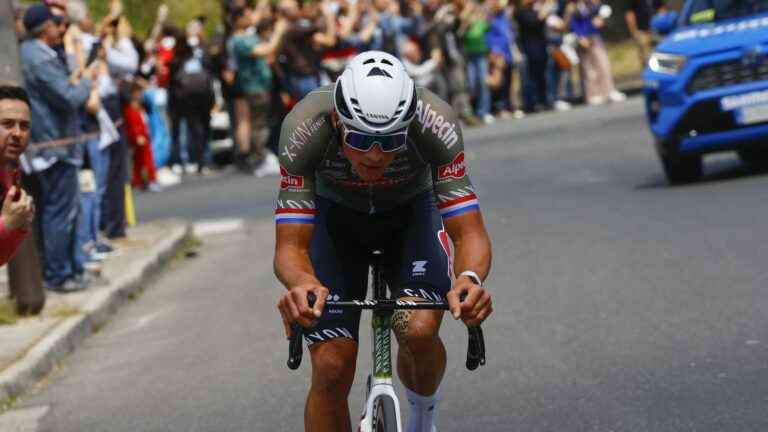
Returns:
point(622, 304)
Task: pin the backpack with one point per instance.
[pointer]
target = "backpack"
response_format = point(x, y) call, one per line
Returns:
point(195, 85)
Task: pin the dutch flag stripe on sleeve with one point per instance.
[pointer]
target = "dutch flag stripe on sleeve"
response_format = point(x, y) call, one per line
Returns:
point(296, 216)
point(458, 206)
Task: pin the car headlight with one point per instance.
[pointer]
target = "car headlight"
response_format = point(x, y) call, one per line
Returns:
point(666, 63)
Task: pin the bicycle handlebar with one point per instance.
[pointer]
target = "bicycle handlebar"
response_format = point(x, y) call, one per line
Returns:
point(475, 347)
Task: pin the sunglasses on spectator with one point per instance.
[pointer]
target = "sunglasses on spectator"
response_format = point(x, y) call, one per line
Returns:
point(364, 142)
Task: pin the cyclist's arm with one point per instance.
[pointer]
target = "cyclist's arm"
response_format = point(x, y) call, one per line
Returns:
point(292, 264)
point(437, 133)
point(303, 137)
point(472, 246)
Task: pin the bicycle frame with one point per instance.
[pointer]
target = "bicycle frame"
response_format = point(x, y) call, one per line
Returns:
point(380, 384)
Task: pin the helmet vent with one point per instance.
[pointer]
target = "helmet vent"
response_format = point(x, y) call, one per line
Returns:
point(373, 123)
point(375, 71)
point(412, 108)
point(386, 62)
point(341, 105)
point(369, 61)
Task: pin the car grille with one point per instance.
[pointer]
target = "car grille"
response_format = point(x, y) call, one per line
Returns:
point(707, 117)
point(727, 74)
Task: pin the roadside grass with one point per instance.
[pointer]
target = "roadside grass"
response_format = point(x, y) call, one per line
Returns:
point(188, 249)
point(8, 314)
point(63, 311)
point(625, 61)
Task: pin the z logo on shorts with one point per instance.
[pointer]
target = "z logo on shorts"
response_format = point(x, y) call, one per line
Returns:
point(419, 268)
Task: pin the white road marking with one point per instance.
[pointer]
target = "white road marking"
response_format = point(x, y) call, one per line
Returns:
point(217, 226)
point(583, 177)
point(142, 322)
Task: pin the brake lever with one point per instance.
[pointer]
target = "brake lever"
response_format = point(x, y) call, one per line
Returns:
point(475, 348)
point(475, 344)
point(295, 347)
point(295, 344)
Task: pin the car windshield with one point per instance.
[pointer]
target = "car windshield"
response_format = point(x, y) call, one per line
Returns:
point(707, 11)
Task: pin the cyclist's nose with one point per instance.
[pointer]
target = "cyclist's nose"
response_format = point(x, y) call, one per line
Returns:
point(375, 154)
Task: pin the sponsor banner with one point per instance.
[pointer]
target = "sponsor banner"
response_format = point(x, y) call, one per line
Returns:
point(459, 206)
point(327, 334)
point(455, 169)
point(300, 137)
point(289, 181)
point(431, 120)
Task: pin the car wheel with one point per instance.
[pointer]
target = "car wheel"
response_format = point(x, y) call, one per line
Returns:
point(754, 156)
point(679, 168)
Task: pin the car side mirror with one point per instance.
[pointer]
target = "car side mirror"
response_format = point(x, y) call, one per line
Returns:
point(664, 23)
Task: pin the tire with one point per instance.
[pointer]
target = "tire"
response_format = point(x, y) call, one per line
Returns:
point(384, 415)
point(678, 168)
point(757, 157)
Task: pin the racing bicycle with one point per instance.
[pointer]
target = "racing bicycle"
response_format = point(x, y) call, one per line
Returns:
point(381, 409)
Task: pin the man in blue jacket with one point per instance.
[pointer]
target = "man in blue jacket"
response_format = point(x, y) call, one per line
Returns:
point(55, 96)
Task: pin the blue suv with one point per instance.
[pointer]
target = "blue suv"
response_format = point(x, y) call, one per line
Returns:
point(706, 85)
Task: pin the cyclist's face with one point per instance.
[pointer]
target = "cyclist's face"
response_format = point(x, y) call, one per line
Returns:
point(370, 165)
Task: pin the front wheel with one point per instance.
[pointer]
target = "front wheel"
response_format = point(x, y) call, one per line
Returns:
point(679, 168)
point(384, 415)
point(757, 157)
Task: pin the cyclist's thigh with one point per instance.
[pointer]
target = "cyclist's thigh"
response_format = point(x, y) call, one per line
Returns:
point(418, 262)
point(341, 267)
point(334, 356)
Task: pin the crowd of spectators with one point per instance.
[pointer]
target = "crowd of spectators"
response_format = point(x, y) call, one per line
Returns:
point(102, 97)
point(489, 59)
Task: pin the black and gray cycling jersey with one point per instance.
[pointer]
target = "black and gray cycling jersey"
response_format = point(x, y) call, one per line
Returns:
point(312, 163)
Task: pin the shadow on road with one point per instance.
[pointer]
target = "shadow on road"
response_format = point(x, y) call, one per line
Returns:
point(720, 170)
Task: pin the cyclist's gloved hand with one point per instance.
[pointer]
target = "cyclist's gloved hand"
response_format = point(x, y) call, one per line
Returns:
point(294, 306)
point(477, 305)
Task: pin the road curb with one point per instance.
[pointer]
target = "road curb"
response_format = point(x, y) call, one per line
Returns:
point(67, 335)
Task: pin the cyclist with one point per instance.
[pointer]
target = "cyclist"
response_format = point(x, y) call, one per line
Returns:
point(372, 162)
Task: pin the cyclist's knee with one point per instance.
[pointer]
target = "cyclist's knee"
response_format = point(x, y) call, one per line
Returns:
point(417, 331)
point(333, 365)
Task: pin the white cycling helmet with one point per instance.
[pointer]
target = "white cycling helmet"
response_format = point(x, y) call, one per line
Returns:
point(374, 94)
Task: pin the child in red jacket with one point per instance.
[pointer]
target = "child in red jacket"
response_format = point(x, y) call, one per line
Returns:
point(139, 138)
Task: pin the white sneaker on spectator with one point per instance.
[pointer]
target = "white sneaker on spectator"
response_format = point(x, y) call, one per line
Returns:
point(190, 168)
point(488, 119)
point(269, 166)
point(596, 100)
point(177, 169)
point(617, 96)
point(166, 177)
point(154, 187)
point(561, 105)
point(519, 114)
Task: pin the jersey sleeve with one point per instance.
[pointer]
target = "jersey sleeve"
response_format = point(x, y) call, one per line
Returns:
point(303, 138)
point(437, 131)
